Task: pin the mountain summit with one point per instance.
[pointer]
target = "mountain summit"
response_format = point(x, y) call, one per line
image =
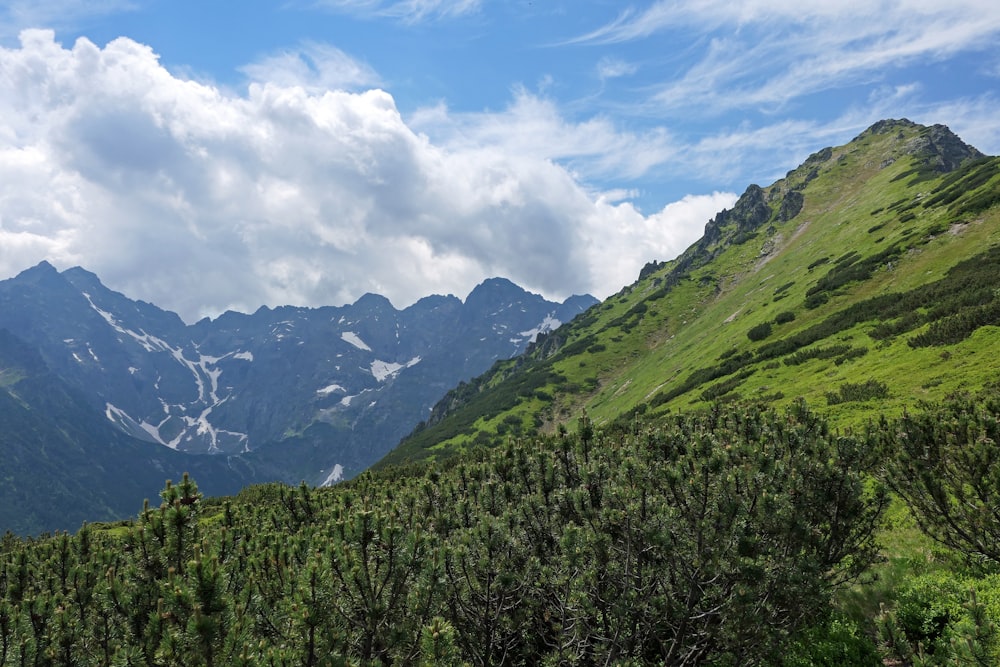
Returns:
point(862, 281)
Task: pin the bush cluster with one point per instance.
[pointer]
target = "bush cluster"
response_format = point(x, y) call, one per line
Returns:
point(705, 539)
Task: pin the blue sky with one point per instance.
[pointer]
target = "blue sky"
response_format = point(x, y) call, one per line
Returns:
point(213, 155)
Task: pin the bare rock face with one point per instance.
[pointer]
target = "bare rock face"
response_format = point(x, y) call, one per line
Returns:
point(748, 213)
point(791, 204)
point(936, 146)
point(940, 148)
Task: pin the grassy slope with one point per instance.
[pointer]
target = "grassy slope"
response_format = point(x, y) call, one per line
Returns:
point(644, 343)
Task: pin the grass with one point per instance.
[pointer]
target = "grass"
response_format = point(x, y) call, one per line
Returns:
point(906, 553)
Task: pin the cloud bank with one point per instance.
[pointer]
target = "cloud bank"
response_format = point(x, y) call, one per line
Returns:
point(201, 200)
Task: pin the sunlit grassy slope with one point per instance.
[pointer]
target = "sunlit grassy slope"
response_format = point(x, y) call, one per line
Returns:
point(865, 280)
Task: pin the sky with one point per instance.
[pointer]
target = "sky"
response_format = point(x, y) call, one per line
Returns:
point(212, 156)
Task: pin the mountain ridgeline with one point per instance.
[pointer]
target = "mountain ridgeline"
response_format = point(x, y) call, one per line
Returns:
point(862, 282)
point(290, 394)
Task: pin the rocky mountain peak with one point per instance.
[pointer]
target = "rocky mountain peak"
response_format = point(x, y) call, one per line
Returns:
point(936, 146)
point(492, 293)
point(887, 126)
point(748, 213)
point(43, 271)
point(940, 148)
point(374, 302)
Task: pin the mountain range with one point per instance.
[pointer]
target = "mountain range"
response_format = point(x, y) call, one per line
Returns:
point(289, 393)
point(863, 282)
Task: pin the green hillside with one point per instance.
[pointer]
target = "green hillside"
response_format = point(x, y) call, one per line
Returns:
point(862, 282)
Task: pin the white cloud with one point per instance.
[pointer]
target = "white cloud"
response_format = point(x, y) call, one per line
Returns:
point(635, 239)
point(410, 11)
point(315, 66)
point(16, 15)
point(612, 68)
point(198, 199)
point(765, 53)
point(534, 126)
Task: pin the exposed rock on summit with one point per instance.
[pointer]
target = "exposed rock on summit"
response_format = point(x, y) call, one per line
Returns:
point(936, 146)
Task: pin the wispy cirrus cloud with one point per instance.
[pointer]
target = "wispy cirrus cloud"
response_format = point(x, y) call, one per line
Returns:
point(612, 68)
point(410, 11)
point(763, 152)
point(16, 15)
point(765, 53)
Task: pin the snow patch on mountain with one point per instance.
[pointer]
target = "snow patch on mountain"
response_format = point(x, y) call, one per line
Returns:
point(206, 374)
point(280, 329)
point(149, 343)
point(335, 475)
point(383, 370)
point(116, 414)
point(355, 340)
point(154, 432)
point(125, 422)
point(205, 363)
point(550, 323)
point(205, 428)
point(347, 400)
point(329, 389)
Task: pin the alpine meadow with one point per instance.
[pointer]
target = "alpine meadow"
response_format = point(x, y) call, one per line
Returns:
point(778, 449)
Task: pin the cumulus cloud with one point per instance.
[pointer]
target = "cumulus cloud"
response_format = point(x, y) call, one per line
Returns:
point(534, 126)
point(636, 239)
point(199, 199)
point(317, 67)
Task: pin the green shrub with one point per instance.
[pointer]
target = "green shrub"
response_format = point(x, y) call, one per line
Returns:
point(927, 605)
point(838, 643)
point(759, 332)
point(816, 300)
point(819, 262)
point(851, 392)
point(943, 619)
point(802, 356)
point(784, 288)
